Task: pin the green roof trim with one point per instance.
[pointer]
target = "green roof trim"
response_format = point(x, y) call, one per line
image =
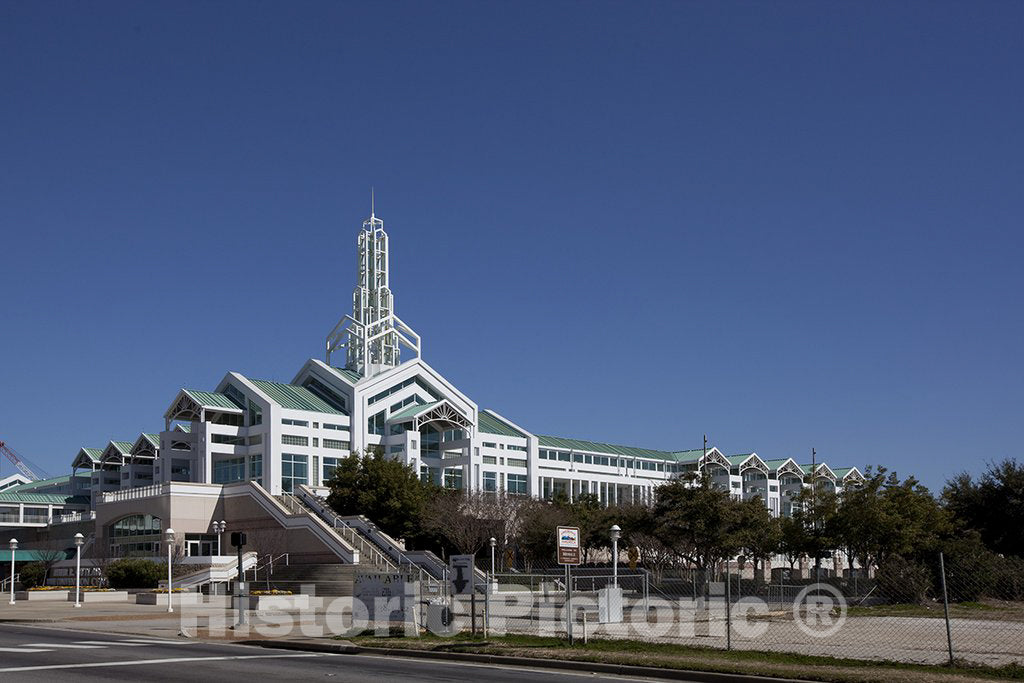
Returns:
point(597, 447)
point(210, 399)
point(294, 397)
point(412, 411)
point(32, 555)
point(40, 483)
point(490, 424)
point(692, 455)
point(350, 376)
point(9, 496)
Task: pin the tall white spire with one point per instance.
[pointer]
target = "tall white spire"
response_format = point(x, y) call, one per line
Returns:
point(373, 335)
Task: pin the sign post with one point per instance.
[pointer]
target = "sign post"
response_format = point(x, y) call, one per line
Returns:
point(568, 555)
point(238, 540)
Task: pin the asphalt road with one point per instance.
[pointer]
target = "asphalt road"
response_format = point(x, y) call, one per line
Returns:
point(29, 653)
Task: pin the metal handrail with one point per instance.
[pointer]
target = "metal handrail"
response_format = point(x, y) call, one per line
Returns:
point(5, 585)
point(366, 543)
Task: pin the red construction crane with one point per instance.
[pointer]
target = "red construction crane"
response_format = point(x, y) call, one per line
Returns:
point(18, 462)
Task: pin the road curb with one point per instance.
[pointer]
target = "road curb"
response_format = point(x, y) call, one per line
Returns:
point(560, 664)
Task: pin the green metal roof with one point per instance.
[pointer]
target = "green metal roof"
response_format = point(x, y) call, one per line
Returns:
point(413, 410)
point(210, 399)
point(92, 453)
point(842, 472)
point(350, 376)
point(32, 555)
point(124, 447)
point(185, 427)
point(692, 456)
point(294, 397)
point(11, 496)
point(491, 425)
point(738, 459)
point(597, 447)
point(152, 438)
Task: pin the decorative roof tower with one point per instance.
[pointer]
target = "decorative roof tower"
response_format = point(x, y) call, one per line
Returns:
point(373, 335)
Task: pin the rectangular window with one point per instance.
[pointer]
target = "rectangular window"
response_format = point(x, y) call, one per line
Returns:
point(564, 457)
point(296, 423)
point(181, 470)
point(294, 471)
point(577, 457)
point(225, 471)
point(516, 484)
point(490, 460)
point(523, 449)
point(255, 414)
point(292, 440)
point(516, 462)
point(316, 442)
point(228, 439)
point(330, 464)
point(490, 481)
point(396, 449)
point(340, 428)
point(255, 439)
point(256, 468)
point(336, 444)
point(453, 478)
point(375, 423)
point(490, 444)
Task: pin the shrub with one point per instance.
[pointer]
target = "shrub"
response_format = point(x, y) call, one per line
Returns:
point(134, 573)
point(903, 581)
point(32, 575)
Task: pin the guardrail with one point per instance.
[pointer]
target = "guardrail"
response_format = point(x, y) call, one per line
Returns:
point(383, 550)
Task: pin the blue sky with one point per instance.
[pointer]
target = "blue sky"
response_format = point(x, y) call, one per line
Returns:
point(786, 225)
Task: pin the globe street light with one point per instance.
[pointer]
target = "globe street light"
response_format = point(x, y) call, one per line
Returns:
point(14, 548)
point(79, 541)
point(169, 534)
point(615, 533)
point(219, 528)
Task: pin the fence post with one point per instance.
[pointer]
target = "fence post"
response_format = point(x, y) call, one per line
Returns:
point(945, 606)
point(728, 608)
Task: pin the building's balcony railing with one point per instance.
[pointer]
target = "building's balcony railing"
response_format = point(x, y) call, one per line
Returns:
point(136, 493)
point(70, 517)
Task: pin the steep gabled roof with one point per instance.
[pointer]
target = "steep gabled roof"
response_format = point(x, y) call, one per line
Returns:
point(294, 397)
point(489, 424)
point(211, 399)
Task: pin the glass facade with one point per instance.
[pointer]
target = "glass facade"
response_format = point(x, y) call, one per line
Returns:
point(294, 471)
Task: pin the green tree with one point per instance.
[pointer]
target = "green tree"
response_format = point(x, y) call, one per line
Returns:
point(133, 572)
point(993, 505)
point(758, 534)
point(384, 490)
point(697, 521)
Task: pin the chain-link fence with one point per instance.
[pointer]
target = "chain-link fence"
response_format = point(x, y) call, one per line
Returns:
point(925, 611)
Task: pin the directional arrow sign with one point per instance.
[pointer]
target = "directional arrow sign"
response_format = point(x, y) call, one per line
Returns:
point(461, 574)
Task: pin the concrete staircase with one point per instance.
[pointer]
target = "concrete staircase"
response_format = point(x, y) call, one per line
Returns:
point(327, 580)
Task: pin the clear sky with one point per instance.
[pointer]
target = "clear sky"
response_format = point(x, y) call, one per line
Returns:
point(784, 224)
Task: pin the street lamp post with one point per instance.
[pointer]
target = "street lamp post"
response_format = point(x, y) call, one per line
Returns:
point(79, 541)
point(219, 528)
point(14, 548)
point(615, 533)
point(169, 534)
point(487, 595)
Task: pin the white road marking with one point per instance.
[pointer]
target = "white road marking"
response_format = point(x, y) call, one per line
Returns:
point(155, 641)
point(176, 660)
point(21, 649)
point(68, 646)
point(104, 643)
